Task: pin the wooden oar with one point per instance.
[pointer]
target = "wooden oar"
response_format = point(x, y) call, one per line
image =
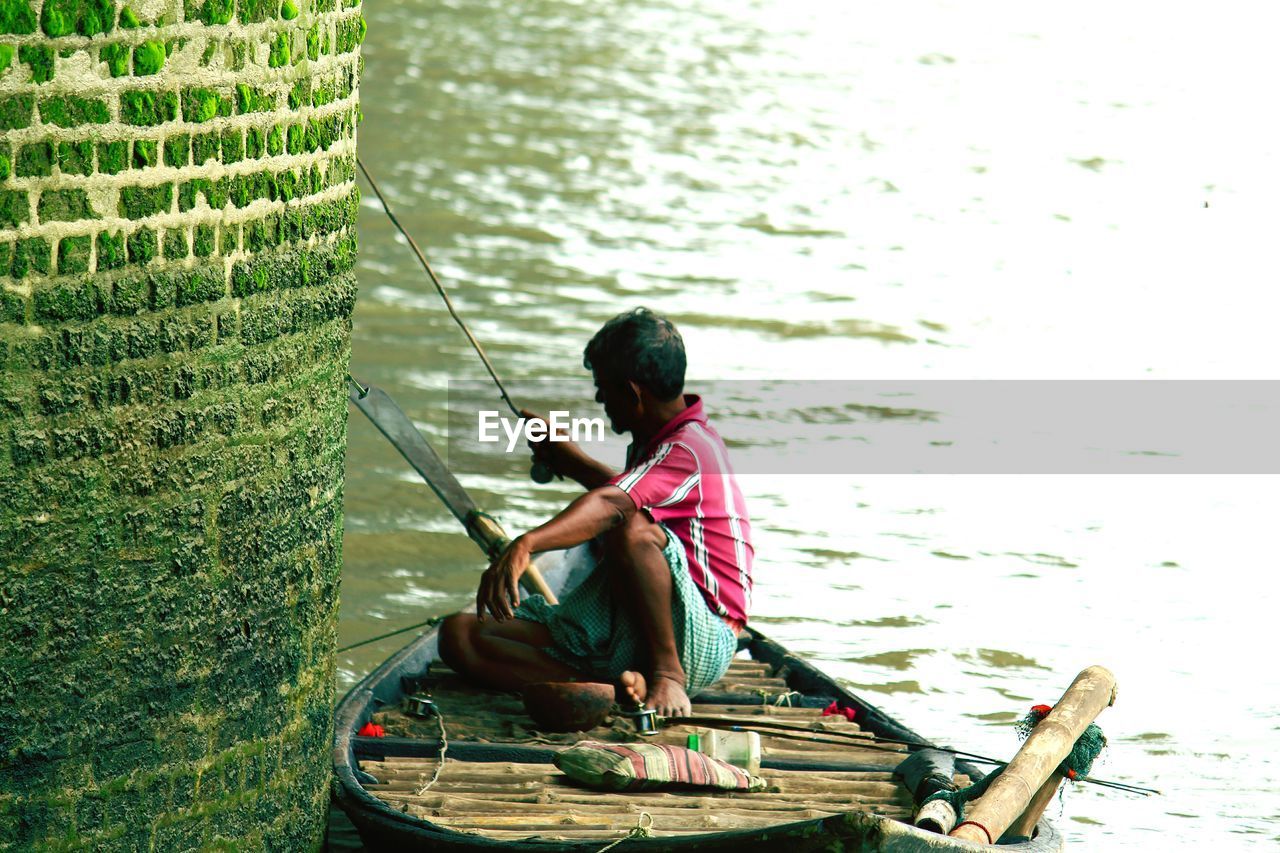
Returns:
point(483, 529)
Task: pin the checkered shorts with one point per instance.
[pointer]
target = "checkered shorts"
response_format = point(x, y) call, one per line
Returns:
point(593, 634)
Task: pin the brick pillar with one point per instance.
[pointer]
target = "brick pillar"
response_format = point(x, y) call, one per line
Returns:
point(177, 236)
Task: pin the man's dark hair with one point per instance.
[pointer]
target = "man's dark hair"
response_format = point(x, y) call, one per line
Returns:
point(642, 347)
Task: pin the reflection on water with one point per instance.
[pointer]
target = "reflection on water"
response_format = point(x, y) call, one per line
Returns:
point(820, 191)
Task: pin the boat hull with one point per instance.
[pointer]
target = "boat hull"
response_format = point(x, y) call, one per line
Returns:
point(382, 827)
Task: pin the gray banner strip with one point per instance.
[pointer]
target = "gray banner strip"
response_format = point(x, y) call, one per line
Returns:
point(945, 427)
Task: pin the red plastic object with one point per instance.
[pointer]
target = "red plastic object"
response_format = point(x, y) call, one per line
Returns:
point(834, 710)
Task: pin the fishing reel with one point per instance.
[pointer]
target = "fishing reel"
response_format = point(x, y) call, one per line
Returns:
point(646, 720)
point(421, 706)
point(541, 472)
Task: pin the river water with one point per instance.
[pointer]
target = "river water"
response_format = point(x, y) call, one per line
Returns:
point(918, 190)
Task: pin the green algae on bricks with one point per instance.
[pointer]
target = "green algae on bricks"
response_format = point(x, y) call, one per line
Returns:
point(250, 100)
point(71, 111)
point(280, 51)
point(299, 94)
point(113, 156)
point(31, 255)
point(17, 17)
point(199, 286)
point(239, 51)
point(13, 309)
point(288, 10)
point(142, 108)
point(204, 147)
point(287, 185)
point(142, 246)
point(75, 158)
point(64, 206)
point(73, 255)
point(213, 12)
point(275, 141)
point(199, 105)
point(16, 112)
point(177, 151)
point(6, 166)
point(322, 95)
point(86, 17)
point(40, 58)
point(129, 296)
point(116, 55)
point(144, 153)
point(129, 19)
point(232, 145)
point(211, 48)
point(311, 140)
point(15, 208)
point(65, 301)
point(202, 241)
point(35, 160)
point(110, 250)
point(313, 42)
point(256, 11)
point(141, 202)
point(255, 143)
point(175, 244)
point(148, 58)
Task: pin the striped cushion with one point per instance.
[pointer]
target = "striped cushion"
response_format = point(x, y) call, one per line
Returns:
point(643, 766)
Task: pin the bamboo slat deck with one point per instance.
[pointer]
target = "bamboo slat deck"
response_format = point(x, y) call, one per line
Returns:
point(509, 801)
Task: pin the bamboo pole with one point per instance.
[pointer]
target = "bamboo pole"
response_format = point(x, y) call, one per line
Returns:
point(489, 535)
point(1026, 822)
point(1049, 743)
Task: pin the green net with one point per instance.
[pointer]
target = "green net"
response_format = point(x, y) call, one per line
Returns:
point(1077, 764)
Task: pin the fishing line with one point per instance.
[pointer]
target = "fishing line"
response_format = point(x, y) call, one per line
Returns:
point(540, 472)
point(444, 294)
point(866, 741)
point(434, 620)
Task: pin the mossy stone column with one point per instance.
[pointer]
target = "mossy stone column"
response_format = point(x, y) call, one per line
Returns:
point(177, 236)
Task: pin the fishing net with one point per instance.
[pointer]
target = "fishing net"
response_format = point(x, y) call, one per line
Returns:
point(1077, 764)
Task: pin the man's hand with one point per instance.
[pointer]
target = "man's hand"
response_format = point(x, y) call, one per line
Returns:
point(567, 459)
point(499, 591)
point(556, 455)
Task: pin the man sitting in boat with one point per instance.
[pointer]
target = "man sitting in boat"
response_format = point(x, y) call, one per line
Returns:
point(660, 614)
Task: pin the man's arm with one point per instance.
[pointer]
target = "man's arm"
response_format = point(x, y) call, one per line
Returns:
point(587, 517)
point(567, 459)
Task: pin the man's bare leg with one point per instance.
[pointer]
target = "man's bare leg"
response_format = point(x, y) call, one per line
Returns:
point(641, 581)
point(503, 655)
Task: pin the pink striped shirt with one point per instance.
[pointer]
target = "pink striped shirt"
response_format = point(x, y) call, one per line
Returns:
point(683, 479)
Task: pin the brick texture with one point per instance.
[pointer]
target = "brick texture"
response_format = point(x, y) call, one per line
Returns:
point(177, 238)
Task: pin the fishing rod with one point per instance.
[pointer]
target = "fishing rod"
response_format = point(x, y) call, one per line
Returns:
point(434, 620)
point(540, 471)
point(867, 741)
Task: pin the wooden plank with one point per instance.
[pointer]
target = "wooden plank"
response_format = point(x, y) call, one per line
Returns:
point(788, 713)
point(888, 794)
point(551, 803)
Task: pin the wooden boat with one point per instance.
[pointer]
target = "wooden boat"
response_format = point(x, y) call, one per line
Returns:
point(497, 788)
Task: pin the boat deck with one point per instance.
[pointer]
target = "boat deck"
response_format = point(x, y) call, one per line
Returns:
point(505, 800)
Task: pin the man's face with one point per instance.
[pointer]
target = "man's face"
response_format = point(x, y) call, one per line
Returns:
point(619, 402)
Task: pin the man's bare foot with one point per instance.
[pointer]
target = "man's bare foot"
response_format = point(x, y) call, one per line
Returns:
point(667, 694)
point(668, 697)
point(632, 688)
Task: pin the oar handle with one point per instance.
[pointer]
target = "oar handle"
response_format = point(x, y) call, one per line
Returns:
point(486, 532)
